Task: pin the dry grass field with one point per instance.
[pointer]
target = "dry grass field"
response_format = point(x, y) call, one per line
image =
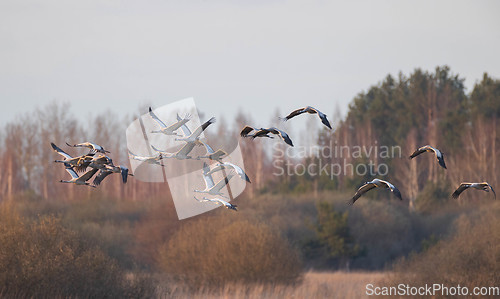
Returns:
point(314, 285)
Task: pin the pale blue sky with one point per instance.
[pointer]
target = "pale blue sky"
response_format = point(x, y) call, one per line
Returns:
point(231, 55)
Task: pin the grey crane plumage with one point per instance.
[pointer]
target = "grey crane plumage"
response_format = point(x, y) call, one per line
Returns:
point(168, 130)
point(210, 154)
point(73, 161)
point(310, 110)
point(218, 201)
point(375, 183)
point(485, 186)
point(181, 154)
point(98, 161)
point(94, 148)
point(428, 148)
point(155, 160)
point(76, 179)
point(210, 187)
point(213, 155)
point(264, 132)
point(110, 169)
point(226, 165)
point(195, 136)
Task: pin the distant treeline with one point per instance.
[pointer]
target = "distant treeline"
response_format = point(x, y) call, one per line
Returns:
point(400, 113)
point(408, 112)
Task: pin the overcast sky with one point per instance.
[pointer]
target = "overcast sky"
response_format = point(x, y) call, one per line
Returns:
point(232, 55)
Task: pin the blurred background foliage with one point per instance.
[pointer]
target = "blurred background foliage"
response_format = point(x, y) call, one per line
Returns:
point(123, 240)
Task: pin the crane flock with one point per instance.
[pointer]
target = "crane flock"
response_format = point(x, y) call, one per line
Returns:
point(192, 139)
point(440, 159)
point(97, 162)
point(94, 161)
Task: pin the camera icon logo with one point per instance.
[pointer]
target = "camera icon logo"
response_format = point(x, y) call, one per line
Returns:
point(169, 145)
